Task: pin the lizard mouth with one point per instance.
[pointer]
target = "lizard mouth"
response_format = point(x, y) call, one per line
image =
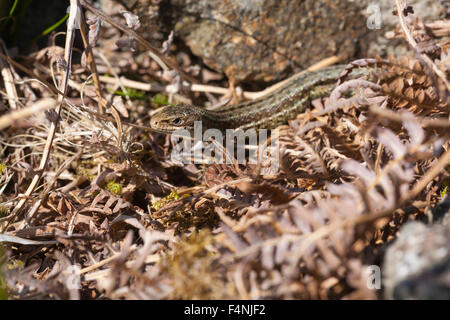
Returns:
point(157, 127)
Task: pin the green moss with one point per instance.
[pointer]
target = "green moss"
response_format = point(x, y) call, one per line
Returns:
point(2, 166)
point(445, 183)
point(444, 191)
point(171, 197)
point(3, 288)
point(132, 93)
point(113, 187)
point(187, 216)
point(83, 171)
point(3, 211)
point(15, 264)
point(193, 272)
point(160, 99)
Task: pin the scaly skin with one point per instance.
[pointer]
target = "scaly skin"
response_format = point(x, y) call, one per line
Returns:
point(267, 112)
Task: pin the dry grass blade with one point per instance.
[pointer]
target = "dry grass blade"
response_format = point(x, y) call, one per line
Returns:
point(54, 124)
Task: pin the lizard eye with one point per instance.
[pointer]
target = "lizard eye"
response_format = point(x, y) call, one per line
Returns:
point(176, 121)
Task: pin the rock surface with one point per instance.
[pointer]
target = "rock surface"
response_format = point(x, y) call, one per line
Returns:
point(262, 40)
point(417, 264)
point(267, 40)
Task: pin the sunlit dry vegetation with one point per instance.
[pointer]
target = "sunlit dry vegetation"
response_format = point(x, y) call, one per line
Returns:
point(84, 183)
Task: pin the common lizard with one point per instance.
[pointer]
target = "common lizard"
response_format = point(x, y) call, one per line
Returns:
point(267, 112)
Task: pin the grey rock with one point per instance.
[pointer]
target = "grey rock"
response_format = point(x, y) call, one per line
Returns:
point(417, 264)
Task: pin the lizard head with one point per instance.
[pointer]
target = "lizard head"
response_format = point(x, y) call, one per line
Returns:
point(171, 118)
